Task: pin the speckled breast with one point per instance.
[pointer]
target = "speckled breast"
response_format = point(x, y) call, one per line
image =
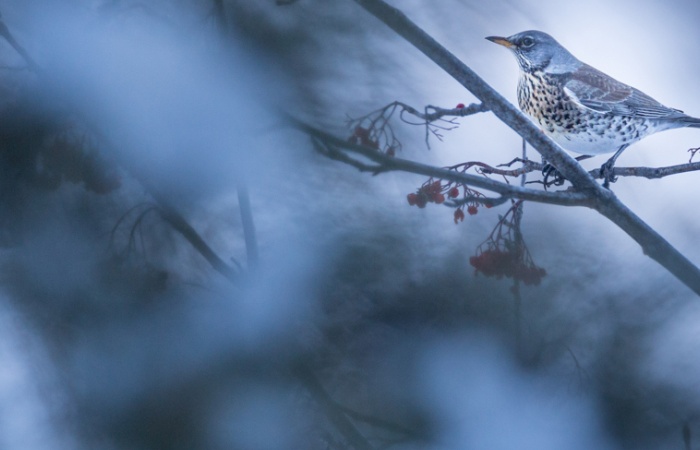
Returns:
point(573, 127)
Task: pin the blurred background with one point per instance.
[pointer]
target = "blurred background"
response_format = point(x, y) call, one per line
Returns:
point(361, 324)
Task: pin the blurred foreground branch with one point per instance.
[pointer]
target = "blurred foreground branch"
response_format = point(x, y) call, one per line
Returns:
point(5, 33)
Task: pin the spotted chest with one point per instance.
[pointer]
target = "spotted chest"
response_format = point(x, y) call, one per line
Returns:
point(574, 127)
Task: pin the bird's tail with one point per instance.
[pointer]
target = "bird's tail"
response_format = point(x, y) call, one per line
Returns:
point(692, 122)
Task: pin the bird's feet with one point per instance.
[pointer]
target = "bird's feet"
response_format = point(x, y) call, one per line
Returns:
point(549, 171)
point(607, 173)
point(557, 178)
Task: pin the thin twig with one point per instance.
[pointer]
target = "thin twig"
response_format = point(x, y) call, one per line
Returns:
point(249, 235)
point(5, 32)
point(179, 223)
point(489, 202)
point(650, 172)
point(438, 113)
point(332, 152)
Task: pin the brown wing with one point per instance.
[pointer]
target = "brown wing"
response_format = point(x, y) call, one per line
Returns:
point(597, 91)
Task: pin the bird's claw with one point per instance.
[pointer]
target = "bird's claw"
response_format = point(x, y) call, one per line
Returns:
point(607, 173)
point(550, 171)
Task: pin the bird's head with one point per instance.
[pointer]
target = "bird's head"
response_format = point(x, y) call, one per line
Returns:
point(536, 50)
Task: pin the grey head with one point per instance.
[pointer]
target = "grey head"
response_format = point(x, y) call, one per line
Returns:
point(537, 51)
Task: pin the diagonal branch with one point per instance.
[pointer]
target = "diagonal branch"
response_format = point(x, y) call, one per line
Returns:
point(397, 21)
point(5, 33)
point(604, 201)
point(178, 222)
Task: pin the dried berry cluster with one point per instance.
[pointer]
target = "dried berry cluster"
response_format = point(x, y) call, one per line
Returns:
point(430, 192)
point(370, 138)
point(504, 253)
point(433, 191)
point(459, 212)
point(70, 157)
point(502, 263)
point(374, 130)
point(363, 136)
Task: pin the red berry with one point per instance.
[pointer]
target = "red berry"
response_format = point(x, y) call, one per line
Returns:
point(472, 210)
point(438, 198)
point(421, 200)
point(361, 132)
point(454, 192)
point(412, 198)
point(391, 151)
point(460, 105)
point(459, 217)
point(434, 188)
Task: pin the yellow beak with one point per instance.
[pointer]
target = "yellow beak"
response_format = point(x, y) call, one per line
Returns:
point(501, 41)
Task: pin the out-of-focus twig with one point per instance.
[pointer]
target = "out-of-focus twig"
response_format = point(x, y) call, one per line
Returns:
point(337, 416)
point(5, 33)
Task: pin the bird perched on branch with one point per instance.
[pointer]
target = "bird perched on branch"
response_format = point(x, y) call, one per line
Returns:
point(581, 108)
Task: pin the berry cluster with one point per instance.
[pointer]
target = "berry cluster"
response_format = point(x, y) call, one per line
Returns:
point(363, 136)
point(370, 138)
point(504, 253)
point(433, 191)
point(501, 263)
point(430, 192)
point(71, 157)
point(459, 212)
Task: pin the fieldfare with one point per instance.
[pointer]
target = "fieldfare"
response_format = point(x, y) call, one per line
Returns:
point(581, 108)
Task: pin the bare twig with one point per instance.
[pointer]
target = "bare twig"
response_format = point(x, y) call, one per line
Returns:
point(486, 201)
point(332, 152)
point(438, 112)
point(249, 235)
point(650, 172)
point(5, 33)
point(374, 129)
point(179, 223)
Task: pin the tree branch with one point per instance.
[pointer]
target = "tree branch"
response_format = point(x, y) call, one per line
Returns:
point(438, 113)
point(604, 201)
point(387, 163)
point(650, 172)
point(529, 165)
point(397, 21)
point(179, 223)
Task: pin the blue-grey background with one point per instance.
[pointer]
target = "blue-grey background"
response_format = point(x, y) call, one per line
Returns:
point(377, 297)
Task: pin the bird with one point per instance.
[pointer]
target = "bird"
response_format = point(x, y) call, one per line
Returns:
point(581, 108)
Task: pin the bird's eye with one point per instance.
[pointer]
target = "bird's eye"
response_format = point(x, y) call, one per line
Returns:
point(527, 42)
